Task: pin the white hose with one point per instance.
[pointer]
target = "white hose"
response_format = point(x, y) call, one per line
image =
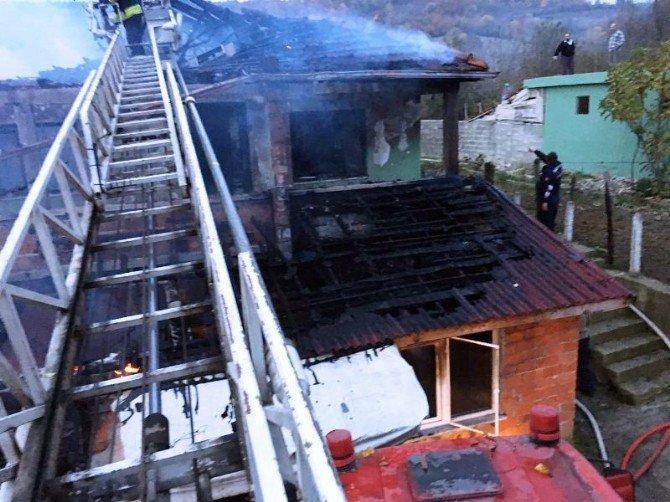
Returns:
point(596, 430)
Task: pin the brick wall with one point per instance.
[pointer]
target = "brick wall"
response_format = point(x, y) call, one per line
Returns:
point(539, 366)
point(503, 142)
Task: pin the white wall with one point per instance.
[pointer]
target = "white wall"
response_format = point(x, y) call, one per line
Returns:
point(503, 142)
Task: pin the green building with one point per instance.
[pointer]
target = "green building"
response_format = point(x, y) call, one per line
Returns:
point(575, 129)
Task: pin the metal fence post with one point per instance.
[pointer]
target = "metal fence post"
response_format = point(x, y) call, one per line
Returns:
point(636, 244)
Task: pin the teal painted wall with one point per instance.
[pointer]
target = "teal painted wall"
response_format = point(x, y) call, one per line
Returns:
point(588, 143)
point(402, 164)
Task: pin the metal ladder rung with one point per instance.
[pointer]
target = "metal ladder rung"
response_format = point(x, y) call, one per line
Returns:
point(145, 106)
point(148, 239)
point(183, 371)
point(139, 275)
point(136, 213)
point(128, 86)
point(138, 80)
point(141, 145)
point(140, 180)
point(140, 161)
point(138, 75)
point(142, 113)
point(141, 134)
point(142, 97)
point(141, 66)
point(135, 123)
point(157, 316)
point(135, 88)
point(138, 91)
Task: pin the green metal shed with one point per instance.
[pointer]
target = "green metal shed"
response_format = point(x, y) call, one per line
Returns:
point(575, 129)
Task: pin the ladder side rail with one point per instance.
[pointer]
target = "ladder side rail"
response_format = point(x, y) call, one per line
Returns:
point(97, 141)
point(165, 97)
point(324, 482)
point(34, 388)
point(262, 458)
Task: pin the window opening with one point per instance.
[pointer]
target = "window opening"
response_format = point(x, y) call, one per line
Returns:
point(328, 145)
point(583, 105)
point(460, 376)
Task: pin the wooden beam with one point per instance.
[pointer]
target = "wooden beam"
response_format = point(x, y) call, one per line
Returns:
point(450, 128)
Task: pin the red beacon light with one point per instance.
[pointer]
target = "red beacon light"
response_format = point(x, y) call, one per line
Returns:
point(341, 447)
point(544, 424)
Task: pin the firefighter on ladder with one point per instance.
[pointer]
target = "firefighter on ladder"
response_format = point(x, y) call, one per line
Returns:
point(130, 13)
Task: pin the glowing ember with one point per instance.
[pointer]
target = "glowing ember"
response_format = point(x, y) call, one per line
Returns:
point(129, 369)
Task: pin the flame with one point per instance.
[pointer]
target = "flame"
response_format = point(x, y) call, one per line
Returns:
point(75, 370)
point(118, 372)
point(129, 369)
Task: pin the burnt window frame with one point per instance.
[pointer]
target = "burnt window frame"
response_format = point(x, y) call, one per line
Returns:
point(361, 139)
point(583, 105)
point(444, 416)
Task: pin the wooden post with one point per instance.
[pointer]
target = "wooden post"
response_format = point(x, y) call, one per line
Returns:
point(568, 225)
point(450, 128)
point(573, 186)
point(636, 244)
point(490, 172)
point(610, 227)
point(517, 198)
point(480, 108)
point(538, 184)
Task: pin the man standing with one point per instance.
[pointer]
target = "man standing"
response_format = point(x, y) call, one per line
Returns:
point(548, 187)
point(130, 12)
point(615, 43)
point(567, 51)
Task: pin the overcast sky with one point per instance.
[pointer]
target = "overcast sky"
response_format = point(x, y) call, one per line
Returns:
point(37, 36)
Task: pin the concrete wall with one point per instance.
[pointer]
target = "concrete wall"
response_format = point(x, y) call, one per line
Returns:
point(504, 142)
point(652, 298)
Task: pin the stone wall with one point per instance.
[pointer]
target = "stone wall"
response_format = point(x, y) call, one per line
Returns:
point(503, 142)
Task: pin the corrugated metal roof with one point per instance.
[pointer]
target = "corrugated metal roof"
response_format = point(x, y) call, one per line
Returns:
point(374, 264)
point(257, 43)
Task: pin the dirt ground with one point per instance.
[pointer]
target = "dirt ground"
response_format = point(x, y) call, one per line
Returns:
point(590, 225)
point(621, 424)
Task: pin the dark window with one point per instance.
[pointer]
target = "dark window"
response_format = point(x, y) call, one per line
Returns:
point(328, 145)
point(422, 361)
point(470, 368)
point(583, 105)
point(226, 125)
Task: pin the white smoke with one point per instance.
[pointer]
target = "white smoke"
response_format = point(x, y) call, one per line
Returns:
point(36, 36)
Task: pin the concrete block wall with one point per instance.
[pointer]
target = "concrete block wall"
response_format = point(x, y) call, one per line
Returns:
point(539, 366)
point(503, 142)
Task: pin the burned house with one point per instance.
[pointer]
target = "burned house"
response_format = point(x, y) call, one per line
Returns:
point(316, 128)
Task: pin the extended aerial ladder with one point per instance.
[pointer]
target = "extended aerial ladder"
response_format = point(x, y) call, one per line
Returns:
point(141, 308)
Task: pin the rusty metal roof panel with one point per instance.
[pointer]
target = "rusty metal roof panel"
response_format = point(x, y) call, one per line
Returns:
point(373, 264)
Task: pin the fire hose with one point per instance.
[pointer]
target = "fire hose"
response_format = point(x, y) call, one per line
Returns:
point(665, 440)
point(657, 451)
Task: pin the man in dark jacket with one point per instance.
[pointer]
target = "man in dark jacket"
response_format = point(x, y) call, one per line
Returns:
point(548, 188)
point(566, 49)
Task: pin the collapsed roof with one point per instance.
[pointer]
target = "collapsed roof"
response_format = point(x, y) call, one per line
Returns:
point(374, 264)
point(249, 42)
